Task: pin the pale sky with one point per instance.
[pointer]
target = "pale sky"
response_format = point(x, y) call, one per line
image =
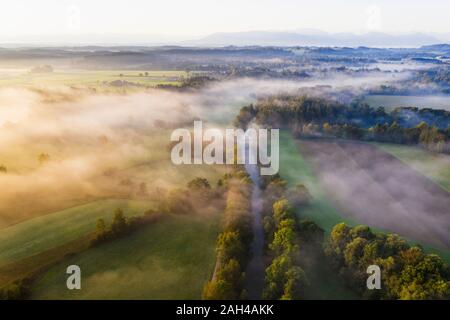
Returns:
point(191, 18)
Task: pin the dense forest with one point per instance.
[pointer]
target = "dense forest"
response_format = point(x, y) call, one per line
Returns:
point(316, 117)
point(408, 273)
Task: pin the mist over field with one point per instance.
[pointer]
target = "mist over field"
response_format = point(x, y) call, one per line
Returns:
point(89, 136)
point(87, 177)
point(115, 118)
point(379, 190)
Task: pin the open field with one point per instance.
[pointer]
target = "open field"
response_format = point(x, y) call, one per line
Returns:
point(103, 151)
point(297, 165)
point(295, 169)
point(379, 190)
point(170, 259)
point(82, 173)
point(27, 268)
point(435, 166)
point(51, 230)
point(393, 101)
point(101, 80)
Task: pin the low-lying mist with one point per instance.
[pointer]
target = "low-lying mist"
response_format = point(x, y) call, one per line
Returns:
point(63, 146)
point(374, 188)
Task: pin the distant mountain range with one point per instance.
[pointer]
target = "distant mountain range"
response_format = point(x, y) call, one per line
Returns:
point(302, 37)
point(320, 38)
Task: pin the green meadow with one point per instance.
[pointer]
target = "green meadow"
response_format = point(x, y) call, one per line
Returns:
point(45, 232)
point(98, 79)
point(169, 259)
point(31, 246)
point(433, 165)
point(295, 169)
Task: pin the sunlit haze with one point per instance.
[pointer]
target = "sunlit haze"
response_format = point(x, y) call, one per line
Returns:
point(177, 20)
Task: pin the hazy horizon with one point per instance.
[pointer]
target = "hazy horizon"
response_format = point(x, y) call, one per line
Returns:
point(173, 22)
point(118, 121)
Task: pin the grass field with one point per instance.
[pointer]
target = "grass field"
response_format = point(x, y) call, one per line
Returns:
point(294, 168)
point(51, 230)
point(150, 164)
point(28, 268)
point(170, 259)
point(433, 165)
point(98, 79)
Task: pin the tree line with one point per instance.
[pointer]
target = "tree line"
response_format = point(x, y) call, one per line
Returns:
point(233, 243)
point(316, 117)
point(285, 279)
point(197, 195)
point(286, 239)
